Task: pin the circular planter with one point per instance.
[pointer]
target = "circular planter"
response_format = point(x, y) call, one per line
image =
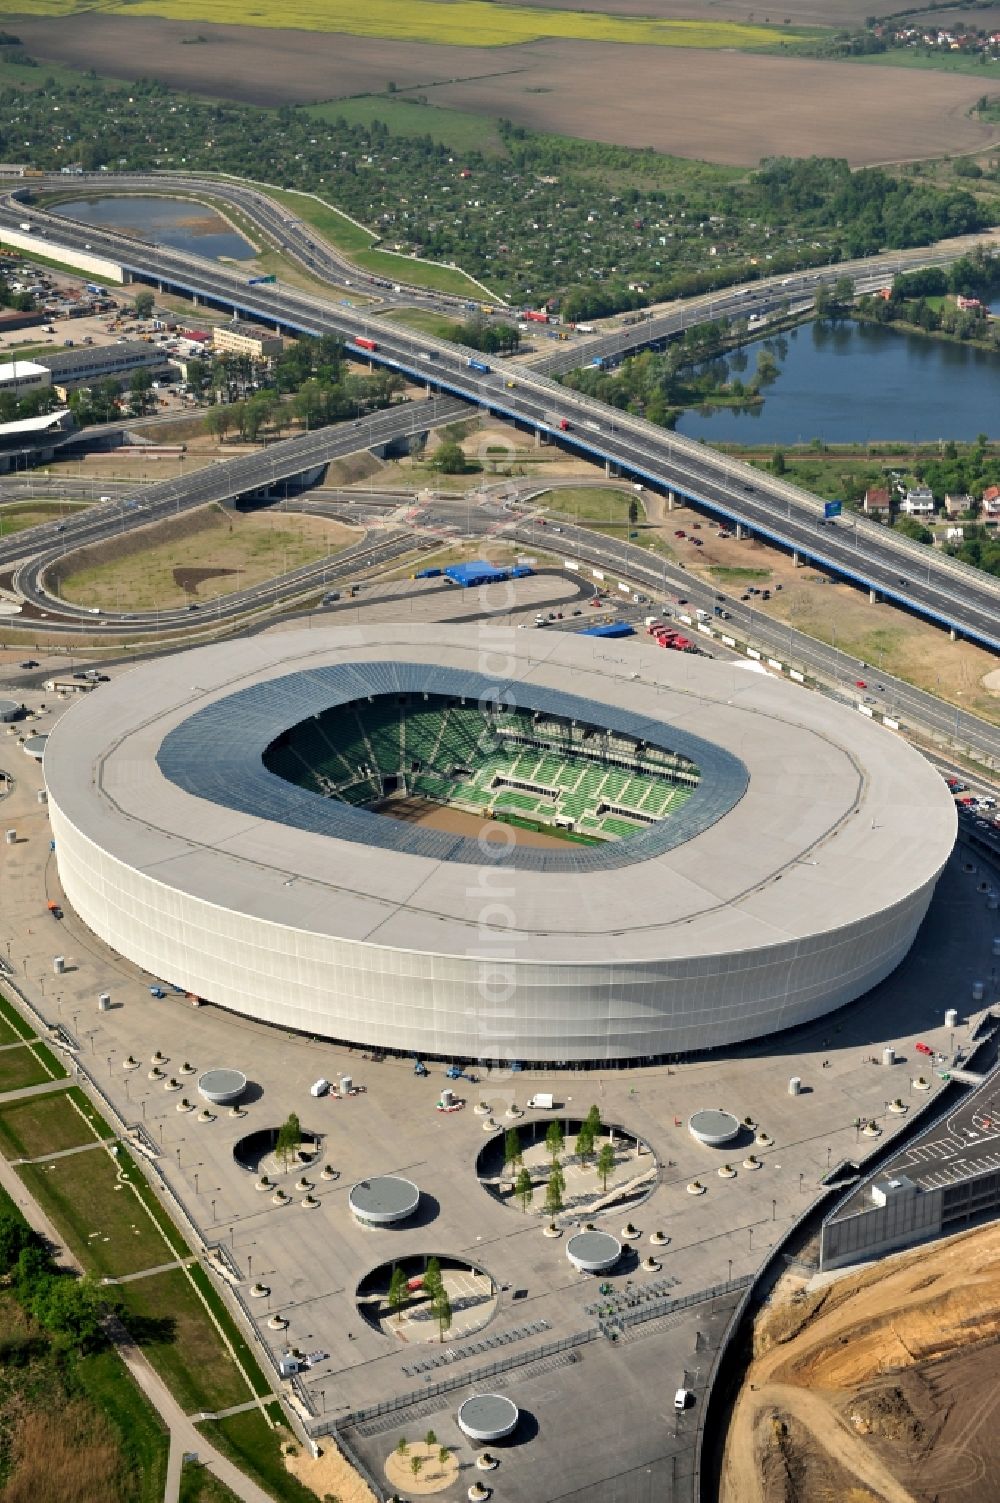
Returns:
point(263, 1184)
point(184, 1105)
point(302, 1185)
point(279, 1198)
point(172, 1085)
point(650, 1265)
point(310, 1203)
point(696, 1187)
point(898, 1108)
point(277, 1323)
point(204, 1116)
point(764, 1140)
point(726, 1171)
point(329, 1172)
point(259, 1291)
point(486, 1463)
point(630, 1233)
point(154, 1074)
point(920, 1084)
point(187, 1069)
point(482, 1109)
point(551, 1230)
point(751, 1162)
point(658, 1239)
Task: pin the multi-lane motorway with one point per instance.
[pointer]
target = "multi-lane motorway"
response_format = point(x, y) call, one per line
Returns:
point(937, 588)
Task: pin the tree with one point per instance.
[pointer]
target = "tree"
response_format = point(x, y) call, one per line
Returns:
point(15, 1236)
point(140, 385)
point(778, 465)
point(416, 1465)
point(144, 301)
point(441, 1310)
point(288, 1140)
point(449, 459)
point(585, 1143)
point(218, 420)
point(401, 1446)
point(73, 1309)
point(593, 1120)
point(399, 1295)
point(843, 292)
point(633, 510)
point(432, 1278)
point(554, 1139)
point(554, 1189)
point(605, 1164)
point(511, 1148)
point(524, 1190)
point(430, 1439)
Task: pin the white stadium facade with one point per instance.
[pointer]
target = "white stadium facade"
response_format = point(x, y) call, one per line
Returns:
point(600, 852)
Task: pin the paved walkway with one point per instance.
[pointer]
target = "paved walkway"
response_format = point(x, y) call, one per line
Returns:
point(63, 1083)
point(149, 1273)
point(184, 1435)
point(65, 1153)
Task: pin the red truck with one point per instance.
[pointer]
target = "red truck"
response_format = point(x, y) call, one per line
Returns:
point(532, 317)
point(365, 344)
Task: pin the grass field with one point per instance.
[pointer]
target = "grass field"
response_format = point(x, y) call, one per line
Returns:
point(459, 23)
point(102, 1222)
point(459, 130)
point(177, 563)
point(47, 1124)
point(344, 235)
point(187, 1353)
point(20, 1066)
point(200, 1485)
point(590, 504)
point(18, 515)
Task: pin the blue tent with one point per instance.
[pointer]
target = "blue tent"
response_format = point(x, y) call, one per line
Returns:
point(479, 572)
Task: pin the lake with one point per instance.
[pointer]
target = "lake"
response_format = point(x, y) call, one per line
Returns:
point(181, 224)
point(853, 383)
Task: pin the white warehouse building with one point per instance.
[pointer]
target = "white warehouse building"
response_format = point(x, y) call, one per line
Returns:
point(729, 855)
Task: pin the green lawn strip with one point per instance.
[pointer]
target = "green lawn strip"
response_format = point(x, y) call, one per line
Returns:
point(80, 1195)
point(21, 1066)
point(258, 1383)
point(199, 1484)
point(142, 1436)
point(248, 1442)
point(739, 574)
point(439, 325)
point(169, 1321)
point(10, 1015)
point(47, 1124)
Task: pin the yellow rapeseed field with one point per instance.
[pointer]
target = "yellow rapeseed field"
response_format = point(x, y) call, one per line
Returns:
point(465, 23)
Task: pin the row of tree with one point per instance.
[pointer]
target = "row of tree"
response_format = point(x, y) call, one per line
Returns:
point(73, 1311)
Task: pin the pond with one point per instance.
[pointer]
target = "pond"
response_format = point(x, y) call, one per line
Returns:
point(850, 383)
point(179, 223)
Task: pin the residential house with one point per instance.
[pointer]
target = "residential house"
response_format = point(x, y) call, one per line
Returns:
point(957, 504)
point(991, 504)
point(918, 502)
point(877, 502)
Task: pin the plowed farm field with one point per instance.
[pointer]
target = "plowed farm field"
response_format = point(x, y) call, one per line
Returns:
point(715, 105)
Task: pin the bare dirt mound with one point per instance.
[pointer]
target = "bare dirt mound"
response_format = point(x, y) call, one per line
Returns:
point(883, 1385)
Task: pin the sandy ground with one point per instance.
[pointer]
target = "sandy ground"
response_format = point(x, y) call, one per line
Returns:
point(882, 1384)
point(330, 1476)
point(722, 106)
point(433, 1476)
point(417, 811)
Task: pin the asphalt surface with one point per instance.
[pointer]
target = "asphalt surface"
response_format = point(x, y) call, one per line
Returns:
point(899, 570)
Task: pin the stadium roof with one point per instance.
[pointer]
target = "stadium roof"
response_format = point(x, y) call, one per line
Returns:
point(840, 820)
point(218, 755)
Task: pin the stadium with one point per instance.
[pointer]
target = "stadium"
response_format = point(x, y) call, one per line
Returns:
point(494, 846)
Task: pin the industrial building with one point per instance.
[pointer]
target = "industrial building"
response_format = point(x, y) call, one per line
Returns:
point(232, 840)
point(88, 363)
point(18, 377)
point(238, 338)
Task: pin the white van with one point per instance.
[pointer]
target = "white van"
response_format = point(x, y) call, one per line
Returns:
point(682, 1398)
point(319, 1087)
point(542, 1101)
